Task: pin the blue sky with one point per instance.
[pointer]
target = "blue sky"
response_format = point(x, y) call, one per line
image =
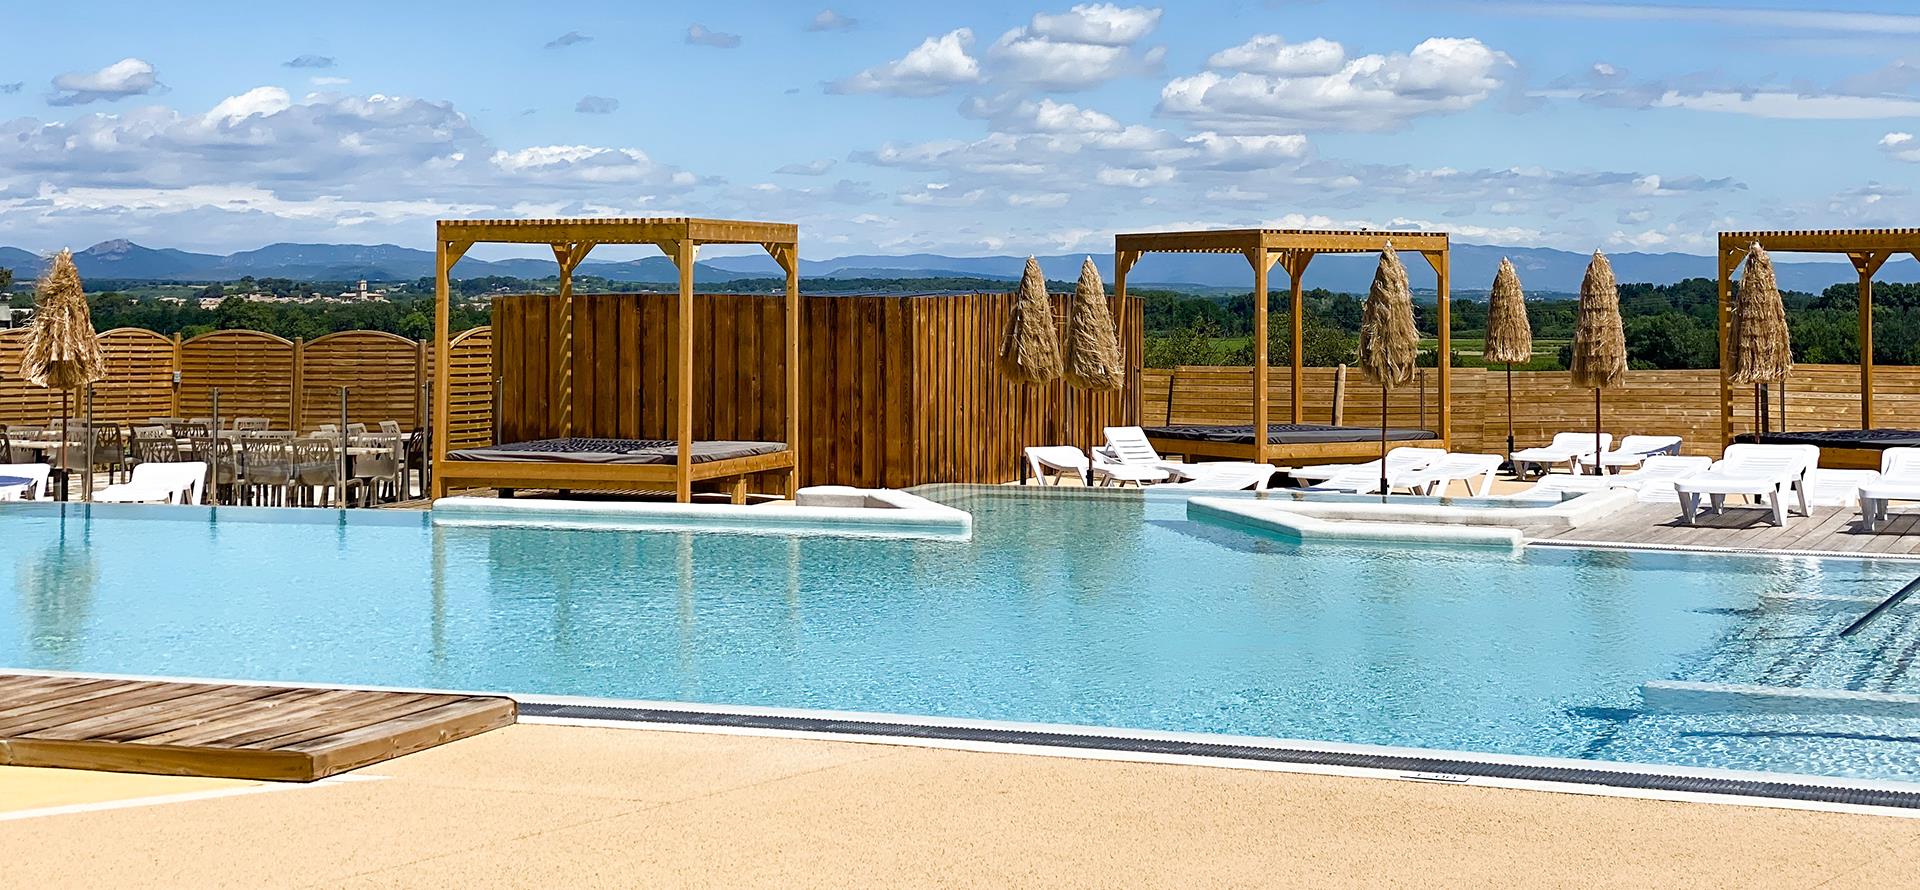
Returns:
point(960, 128)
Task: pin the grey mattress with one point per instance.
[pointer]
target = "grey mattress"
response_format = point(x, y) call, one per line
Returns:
point(1286, 434)
point(612, 451)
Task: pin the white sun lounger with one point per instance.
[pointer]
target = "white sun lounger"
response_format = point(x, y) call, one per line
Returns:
point(1566, 448)
point(1055, 462)
point(1232, 477)
point(1435, 477)
point(1128, 446)
point(35, 474)
point(1899, 481)
point(158, 483)
point(1654, 480)
point(1768, 472)
point(1400, 458)
point(1633, 451)
point(1838, 488)
point(1557, 486)
point(1365, 478)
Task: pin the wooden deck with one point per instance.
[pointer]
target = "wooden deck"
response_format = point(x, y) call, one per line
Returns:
point(1829, 529)
point(228, 731)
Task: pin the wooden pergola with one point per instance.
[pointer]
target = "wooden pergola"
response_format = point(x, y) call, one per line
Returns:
point(572, 239)
point(1868, 249)
point(1293, 249)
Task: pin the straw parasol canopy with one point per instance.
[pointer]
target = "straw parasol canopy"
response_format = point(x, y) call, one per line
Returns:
point(62, 351)
point(1509, 334)
point(1093, 350)
point(1030, 352)
point(1762, 351)
point(1389, 342)
point(1599, 340)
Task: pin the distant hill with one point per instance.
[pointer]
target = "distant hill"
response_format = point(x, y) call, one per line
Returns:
point(1542, 270)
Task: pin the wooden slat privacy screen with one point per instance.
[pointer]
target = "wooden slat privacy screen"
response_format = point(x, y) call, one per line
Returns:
point(1682, 403)
point(896, 390)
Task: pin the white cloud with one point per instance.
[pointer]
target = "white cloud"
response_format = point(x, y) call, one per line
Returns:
point(1373, 92)
point(309, 61)
point(1740, 17)
point(1086, 46)
point(1099, 23)
point(810, 168)
point(1793, 106)
point(1248, 152)
point(1135, 177)
point(261, 101)
point(570, 38)
point(937, 65)
point(1043, 116)
point(701, 35)
point(1271, 54)
point(1901, 146)
point(328, 81)
point(127, 77)
point(828, 20)
point(596, 105)
point(583, 164)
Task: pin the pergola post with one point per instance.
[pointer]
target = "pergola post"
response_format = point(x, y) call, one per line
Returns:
point(1723, 280)
point(683, 384)
point(568, 255)
point(1262, 260)
point(789, 260)
point(445, 254)
point(1296, 266)
point(1867, 264)
point(1442, 263)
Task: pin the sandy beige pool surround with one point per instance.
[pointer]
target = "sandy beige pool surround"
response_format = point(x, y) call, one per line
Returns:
point(585, 807)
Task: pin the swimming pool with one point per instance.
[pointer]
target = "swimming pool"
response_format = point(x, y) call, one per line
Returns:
point(1108, 611)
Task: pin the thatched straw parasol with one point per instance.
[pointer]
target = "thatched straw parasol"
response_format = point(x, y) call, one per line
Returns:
point(1509, 334)
point(1093, 349)
point(1599, 342)
point(1762, 351)
point(1389, 342)
point(1030, 352)
point(62, 350)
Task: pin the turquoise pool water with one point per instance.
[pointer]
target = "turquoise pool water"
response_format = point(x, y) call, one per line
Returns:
point(1110, 611)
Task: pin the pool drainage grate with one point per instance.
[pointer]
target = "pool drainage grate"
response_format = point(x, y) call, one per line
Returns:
point(1409, 766)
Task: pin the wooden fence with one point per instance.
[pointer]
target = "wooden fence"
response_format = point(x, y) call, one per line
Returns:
point(1682, 403)
point(292, 383)
point(895, 390)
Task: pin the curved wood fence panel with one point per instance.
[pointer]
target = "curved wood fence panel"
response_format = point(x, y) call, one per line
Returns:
point(139, 381)
point(254, 373)
point(470, 401)
point(382, 373)
point(20, 401)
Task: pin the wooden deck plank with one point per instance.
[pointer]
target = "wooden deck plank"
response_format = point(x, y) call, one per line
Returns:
point(226, 729)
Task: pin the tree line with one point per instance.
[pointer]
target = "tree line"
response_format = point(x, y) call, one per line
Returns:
point(1668, 326)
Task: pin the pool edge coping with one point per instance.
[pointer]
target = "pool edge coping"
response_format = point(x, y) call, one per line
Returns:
point(1650, 781)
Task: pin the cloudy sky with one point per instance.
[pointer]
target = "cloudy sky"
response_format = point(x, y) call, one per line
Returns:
point(961, 128)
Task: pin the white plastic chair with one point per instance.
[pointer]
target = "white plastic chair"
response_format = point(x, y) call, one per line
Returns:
point(180, 482)
point(1770, 473)
point(1899, 481)
point(1556, 486)
point(1232, 477)
point(1566, 448)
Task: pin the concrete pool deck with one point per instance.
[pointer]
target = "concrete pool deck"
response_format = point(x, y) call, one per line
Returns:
point(587, 807)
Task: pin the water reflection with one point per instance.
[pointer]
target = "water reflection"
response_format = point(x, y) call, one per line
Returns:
point(57, 589)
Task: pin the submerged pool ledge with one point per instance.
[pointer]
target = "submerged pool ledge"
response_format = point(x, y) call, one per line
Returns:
point(880, 514)
point(1285, 521)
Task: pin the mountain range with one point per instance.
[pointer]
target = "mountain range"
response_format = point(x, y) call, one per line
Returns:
point(1541, 269)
